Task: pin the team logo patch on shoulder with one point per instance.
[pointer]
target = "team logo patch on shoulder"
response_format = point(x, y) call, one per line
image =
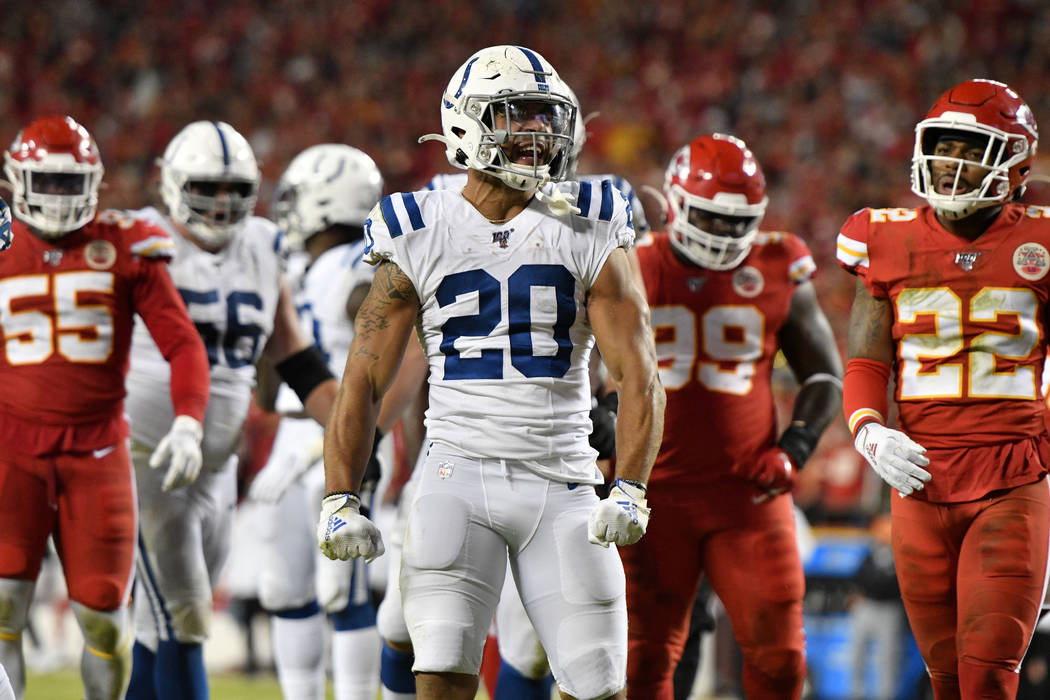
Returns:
point(1031, 261)
point(748, 282)
point(100, 255)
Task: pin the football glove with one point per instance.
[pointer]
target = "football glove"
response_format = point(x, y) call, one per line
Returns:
point(621, 518)
point(274, 479)
point(772, 473)
point(5, 226)
point(344, 533)
point(180, 449)
point(894, 456)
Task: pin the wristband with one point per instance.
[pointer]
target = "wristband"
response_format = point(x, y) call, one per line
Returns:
point(635, 484)
point(798, 441)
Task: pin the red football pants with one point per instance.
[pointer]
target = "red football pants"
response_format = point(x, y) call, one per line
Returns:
point(749, 554)
point(88, 502)
point(972, 577)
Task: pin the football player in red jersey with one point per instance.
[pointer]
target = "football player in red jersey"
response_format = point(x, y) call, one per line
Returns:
point(70, 286)
point(952, 299)
point(724, 296)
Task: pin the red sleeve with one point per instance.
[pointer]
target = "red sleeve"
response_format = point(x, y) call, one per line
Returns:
point(852, 250)
point(864, 392)
point(158, 302)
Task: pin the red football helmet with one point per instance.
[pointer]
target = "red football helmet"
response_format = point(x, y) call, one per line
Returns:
point(714, 182)
point(997, 120)
point(55, 170)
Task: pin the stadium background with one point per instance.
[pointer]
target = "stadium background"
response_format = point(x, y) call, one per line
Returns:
point(825, 92)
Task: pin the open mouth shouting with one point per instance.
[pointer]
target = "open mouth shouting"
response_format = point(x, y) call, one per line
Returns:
point(949, 184)
point(530, 152)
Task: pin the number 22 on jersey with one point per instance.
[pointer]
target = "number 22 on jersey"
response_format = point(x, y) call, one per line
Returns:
point(980, 361)
point(720, 347)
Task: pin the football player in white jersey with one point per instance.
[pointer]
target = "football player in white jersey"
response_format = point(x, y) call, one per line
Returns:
point(321, 201)
point(524, 673)
point(511, 285)
point(228, 268)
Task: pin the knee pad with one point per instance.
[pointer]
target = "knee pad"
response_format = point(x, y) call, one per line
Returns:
point(107, 633)
point(993, 639)
point(190, 621)
point(15, 595)
point(99, 593)
point(597, 672)
point(782, 666)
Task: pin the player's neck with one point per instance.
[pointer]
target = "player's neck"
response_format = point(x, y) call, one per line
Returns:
point(493, 199)
point(972, 226)
point(322, 242)
point(188, 235)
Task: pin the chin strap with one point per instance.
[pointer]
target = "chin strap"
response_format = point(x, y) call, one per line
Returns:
point(560, 203)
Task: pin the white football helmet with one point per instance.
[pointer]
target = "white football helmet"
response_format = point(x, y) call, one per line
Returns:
point(508, 98)
point(327, 184)
point(209, 180)
point(579, 137)
point(55, 171)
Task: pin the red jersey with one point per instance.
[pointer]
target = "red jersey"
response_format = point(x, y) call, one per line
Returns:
point(969, 335)
point(716, 338)
point(67, 308)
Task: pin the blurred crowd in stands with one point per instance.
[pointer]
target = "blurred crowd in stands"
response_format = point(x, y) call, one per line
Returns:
point(826, 93)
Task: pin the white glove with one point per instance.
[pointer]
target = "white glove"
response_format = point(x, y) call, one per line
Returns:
point(621, 518)
point(343, 533)
point(181, 450)
point(895, 456)
point(275, 478)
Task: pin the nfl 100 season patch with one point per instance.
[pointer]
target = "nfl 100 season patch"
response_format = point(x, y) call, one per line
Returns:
point(967, 259)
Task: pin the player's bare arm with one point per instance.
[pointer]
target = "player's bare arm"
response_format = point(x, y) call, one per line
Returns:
point(809, 346)
point(381, 333)
point(298, 362)
point(620, 318)
point(870, 327)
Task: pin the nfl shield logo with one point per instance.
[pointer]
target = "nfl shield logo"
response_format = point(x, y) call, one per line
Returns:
point(502, 237)
point(967, 259)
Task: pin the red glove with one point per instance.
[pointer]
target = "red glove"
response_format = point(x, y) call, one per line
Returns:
point(772, 473)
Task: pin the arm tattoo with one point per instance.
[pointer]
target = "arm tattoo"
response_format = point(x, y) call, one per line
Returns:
point(390, 290)
point(870, 326)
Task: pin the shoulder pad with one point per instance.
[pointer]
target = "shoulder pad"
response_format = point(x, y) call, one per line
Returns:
point(601, 201)
point(141, 237)
point(851, 246)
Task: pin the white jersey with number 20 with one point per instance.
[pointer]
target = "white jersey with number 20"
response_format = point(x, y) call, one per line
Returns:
point(504, 318)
